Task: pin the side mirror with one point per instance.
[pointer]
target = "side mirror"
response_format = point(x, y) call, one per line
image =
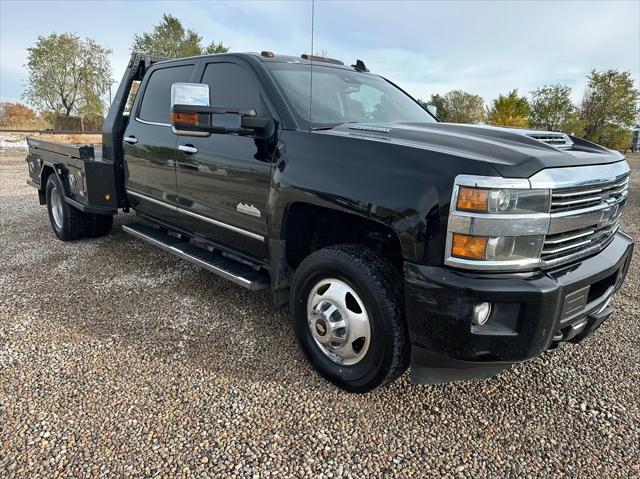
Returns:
point(433, 110)
point(191, 115)
point(193, 94)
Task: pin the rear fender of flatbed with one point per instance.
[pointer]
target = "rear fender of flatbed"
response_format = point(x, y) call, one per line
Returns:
point(89, 183)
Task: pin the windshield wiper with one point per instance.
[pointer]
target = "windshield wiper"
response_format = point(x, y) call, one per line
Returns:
point(331, 125)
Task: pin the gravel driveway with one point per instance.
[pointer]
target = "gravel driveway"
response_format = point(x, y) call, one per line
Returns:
point(118, 360)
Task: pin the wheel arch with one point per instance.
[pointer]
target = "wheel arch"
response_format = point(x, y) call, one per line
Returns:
point(47, 170)
point(307, 227)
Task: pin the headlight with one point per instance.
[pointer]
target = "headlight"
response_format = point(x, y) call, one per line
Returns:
point(496, 224)
point(496, 248)
point(502, 201)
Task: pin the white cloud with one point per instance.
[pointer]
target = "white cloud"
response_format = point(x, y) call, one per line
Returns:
point(426, 47)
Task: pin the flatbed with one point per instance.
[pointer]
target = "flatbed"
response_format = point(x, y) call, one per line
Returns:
point(88, 181)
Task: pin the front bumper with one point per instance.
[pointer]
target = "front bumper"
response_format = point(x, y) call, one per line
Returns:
point(530, 314)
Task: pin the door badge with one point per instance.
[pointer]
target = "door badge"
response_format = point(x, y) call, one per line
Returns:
point(248, 209)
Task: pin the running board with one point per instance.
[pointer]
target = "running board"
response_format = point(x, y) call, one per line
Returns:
point(236, 272)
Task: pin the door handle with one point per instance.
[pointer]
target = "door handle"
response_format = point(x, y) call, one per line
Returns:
point(132, 140)
point(188, 149)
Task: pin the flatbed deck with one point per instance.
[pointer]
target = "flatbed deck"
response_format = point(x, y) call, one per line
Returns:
point(78, 151)
point(88, 180)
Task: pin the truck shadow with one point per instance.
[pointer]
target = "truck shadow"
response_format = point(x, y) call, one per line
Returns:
point(121, 289)
point(157, 304)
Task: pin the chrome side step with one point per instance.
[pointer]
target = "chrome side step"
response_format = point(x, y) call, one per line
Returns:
point(236, 272)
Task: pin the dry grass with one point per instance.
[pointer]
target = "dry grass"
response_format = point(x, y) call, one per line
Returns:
point(78, 138)
point(81, 138)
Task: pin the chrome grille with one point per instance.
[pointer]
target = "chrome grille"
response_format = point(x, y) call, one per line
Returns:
point(565, 245)
point(584, 218)
point(569, 199)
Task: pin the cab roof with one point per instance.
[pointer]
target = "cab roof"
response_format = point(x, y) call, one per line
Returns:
point(270, 57)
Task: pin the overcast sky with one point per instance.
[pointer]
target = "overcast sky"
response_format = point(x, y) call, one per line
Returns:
point(425, 46)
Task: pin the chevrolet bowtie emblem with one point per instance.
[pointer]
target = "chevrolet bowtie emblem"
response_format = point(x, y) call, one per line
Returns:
point(609, 216)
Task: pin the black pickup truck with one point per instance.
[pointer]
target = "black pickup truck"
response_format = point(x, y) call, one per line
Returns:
point(395, 239)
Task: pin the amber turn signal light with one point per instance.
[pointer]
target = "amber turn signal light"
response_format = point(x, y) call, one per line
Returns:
point(469, 247)
point(473, 199)
point(184, 118)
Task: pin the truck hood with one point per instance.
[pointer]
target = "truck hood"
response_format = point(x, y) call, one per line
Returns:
point(514, 153)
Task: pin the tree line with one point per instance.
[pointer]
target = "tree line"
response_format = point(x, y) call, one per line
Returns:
point(609, 109)
point(69, 78)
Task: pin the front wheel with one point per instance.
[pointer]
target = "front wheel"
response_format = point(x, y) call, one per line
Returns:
point(346, 310)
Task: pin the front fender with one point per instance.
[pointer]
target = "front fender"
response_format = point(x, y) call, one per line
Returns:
point(405, 189)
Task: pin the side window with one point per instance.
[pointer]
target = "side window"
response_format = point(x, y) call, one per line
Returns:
point(231, 86)
point(156, 102)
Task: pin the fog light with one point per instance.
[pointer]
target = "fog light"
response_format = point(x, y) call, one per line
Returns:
point(481, 312)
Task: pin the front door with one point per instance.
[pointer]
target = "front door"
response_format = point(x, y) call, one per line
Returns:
point(150, 146)
point(223, 179)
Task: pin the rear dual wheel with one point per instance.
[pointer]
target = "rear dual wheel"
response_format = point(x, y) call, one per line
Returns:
point(99, 225)
point(346, 309)
point(69, 223)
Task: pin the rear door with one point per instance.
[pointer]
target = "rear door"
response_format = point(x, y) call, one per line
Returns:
point(224, 179)
point(150, 145)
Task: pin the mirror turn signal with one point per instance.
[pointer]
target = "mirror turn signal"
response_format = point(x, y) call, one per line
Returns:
point(184, 118)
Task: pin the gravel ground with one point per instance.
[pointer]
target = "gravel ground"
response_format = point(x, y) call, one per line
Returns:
point(118, 360)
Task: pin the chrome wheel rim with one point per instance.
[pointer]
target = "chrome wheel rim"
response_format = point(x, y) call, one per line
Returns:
point(338, 321)
point(56, 207)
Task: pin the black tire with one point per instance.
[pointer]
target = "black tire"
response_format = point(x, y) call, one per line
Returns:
point(99, 225)
point(72, 223)
point(377, 284)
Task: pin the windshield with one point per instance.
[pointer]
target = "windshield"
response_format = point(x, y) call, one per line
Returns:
point(344, 96)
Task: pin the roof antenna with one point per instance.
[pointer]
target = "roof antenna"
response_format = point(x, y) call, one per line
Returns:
point(360, 66)
point(311, 64)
